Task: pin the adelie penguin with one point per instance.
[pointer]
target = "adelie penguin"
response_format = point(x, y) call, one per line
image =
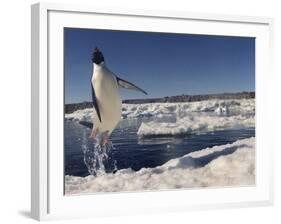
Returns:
point(106, 97)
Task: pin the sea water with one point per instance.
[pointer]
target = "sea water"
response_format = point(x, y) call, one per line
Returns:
point(84, 156)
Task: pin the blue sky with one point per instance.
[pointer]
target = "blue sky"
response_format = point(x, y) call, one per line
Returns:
point(163, 64)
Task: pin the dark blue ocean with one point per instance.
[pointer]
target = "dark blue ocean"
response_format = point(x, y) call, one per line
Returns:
point(129, 151)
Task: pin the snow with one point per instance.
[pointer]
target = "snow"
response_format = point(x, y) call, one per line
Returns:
point(184, 118)
point(242, 106)
point(219, 166)
point(195, 123)
point(81, 115)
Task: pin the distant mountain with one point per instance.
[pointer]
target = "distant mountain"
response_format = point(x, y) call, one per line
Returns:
point(69, 108)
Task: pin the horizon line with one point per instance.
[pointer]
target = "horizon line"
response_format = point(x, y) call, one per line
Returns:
point(240, 92)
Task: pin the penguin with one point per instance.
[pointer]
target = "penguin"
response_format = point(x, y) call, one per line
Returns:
point(106, 98)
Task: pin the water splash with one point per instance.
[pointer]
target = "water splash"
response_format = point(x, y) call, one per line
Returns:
point(98, 158)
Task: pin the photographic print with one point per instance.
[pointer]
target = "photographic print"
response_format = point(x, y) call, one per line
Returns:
point(148, 111)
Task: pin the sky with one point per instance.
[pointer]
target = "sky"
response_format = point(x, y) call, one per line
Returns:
point(163, 64)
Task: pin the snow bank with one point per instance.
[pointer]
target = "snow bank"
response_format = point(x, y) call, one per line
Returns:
point(225, 165)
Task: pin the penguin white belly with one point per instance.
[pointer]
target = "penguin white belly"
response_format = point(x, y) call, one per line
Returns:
point(108, 99)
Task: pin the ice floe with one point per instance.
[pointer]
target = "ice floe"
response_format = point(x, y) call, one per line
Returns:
point(194, 124)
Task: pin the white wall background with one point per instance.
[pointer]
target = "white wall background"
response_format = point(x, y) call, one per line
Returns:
point(15, 110)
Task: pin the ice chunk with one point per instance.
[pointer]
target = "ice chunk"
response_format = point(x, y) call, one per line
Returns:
point(193, 124)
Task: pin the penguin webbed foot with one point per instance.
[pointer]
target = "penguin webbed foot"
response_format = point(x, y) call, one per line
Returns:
point(102, 139)
point(105, 139)
point(94, 134)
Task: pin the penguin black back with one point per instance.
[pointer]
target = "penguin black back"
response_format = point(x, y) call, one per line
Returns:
point(97, 56)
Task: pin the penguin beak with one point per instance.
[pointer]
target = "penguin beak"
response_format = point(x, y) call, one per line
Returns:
point(97, 56)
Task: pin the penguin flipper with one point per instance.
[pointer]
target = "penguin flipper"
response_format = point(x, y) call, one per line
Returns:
point(128, 85)
point(95, 102)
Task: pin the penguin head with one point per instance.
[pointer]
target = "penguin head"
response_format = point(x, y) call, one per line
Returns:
point(97, 57)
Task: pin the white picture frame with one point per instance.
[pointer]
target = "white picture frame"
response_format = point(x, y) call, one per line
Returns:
point(48, 201)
